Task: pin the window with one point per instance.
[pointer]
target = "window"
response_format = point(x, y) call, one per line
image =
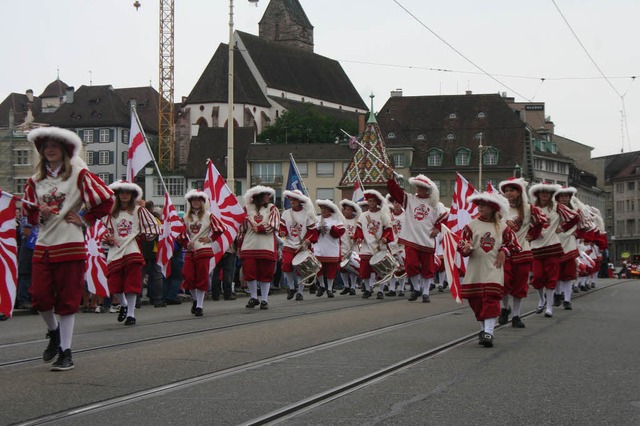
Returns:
point(463, 157)
point(490, 157)
point(620, 187)
point(399, 160)
point(325, 193)
point(104, 135)
point(631, 186)
point(453, 115)
point(481, 114)
point(87, 136)
point(421, 137)
point(434, 158)
point(391, 135)
point(303, 168)
point(19, 184)
point(437, 182)
point(562, 183)
point(631, 226)
point(538, 164)
point(552, 147)
point(124, 157)
point(103, 158)
point(478, 136)
point(175, 185)
point(90, 158)
point(106, 177)
point(125, 136)
point(451, 137)
point(324, 169)
point(22, 157)
point(267, 173)
point(539, 145)
point(549, 166)
point(630, 206)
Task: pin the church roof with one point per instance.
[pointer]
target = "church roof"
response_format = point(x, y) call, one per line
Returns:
point(55, 89)
point(294, 9)
point(20, 105)
point(364, 164)
point(339, 114)
point(147, 99)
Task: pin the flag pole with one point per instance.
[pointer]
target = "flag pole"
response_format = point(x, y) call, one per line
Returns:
point(295, 165)
point(146, 142)
point(372, 154)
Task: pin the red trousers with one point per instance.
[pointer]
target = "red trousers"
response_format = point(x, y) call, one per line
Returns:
point(261, 270)
point(485, 307)
point(419, 262)
point(127, 279)
point(545, 272)
point(330, 269)
point(57, 286)
point(516, 279)
point(196, 272)
point(568, 270)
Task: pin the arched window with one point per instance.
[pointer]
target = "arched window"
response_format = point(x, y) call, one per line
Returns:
point(453, 115)
point(463, 157)
point(434, 158)
point(421, 137)
point(391, 135)
point(481, 114)
point(490, 157)
point(202, 122)
point(451, 137)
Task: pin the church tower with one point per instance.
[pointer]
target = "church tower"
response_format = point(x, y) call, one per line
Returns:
point(285, 22)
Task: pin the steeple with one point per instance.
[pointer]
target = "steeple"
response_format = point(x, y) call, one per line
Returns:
point(372, 115)
point(284, 21)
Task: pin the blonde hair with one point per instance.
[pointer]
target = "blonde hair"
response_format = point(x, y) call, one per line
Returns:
point(41, 166)
point(117, 205)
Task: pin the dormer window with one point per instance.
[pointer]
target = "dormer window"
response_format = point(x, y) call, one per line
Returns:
point(391, 135)
point(421, 137)
point(481, 114)
point(453, 116)
point(451, 137)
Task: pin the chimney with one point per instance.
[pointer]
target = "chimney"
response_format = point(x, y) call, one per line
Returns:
point(30, 95)
point(361, 122)
point(468, 92)
point(396, 93)
point(69, 95)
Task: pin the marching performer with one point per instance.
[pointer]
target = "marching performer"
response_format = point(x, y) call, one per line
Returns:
point(547, 249)
point(424, 214)
point(373, 233)
point(202, 228)
point(60, 186)
point(127, 223)
point(487, 241)
point(328, 249)
point(351, 212)
point(298, 228)
point(397, 221)
point(527, 222)
point(257, 243)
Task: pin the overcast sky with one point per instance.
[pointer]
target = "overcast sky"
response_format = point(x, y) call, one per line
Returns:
point(380, 45)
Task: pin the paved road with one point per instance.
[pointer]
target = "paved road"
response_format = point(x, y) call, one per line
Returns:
point(236, 365)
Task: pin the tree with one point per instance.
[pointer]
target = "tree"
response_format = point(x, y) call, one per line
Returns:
point(307, 125)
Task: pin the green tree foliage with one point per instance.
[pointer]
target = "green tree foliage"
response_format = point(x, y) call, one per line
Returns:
point(307, 125)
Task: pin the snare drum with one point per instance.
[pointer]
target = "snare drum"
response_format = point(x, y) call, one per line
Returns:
point(306, 266)
point(384, 264)
point(351, 264)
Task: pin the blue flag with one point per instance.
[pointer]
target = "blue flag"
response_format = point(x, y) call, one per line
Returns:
point(294, 181)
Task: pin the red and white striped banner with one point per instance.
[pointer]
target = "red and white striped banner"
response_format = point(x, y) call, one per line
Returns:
point(96, 274)
point(172, 226)
point(8, 255)
point(449, 247)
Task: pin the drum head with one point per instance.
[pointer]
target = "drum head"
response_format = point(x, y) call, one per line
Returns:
point(300, 257)
point(344, 263)
point(377, 258)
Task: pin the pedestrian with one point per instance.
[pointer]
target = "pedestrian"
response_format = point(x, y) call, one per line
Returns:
point(171, 284)
point(127, 225)
point(202, 228)
point(327, 250)
point(223, 275)
point(487, 241)
point(61, 185)
point(257, 245)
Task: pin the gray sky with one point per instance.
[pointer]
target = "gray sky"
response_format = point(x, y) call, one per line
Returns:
point(379, 44)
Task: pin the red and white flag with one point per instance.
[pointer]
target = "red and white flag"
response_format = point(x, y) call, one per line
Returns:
point(358, 191)
point(449, 248)
point(172, 226)
point(225, 206)
point(96, 274)
point(462, 213)
point(8, 255)
point(138, 154)
point(491, 188)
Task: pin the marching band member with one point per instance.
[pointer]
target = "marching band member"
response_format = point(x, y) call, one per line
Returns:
point(202, 228)
point(127, 223)
point(526, 221)
point(424, 213)
point(397, 221)
point(298, 228)
point(547, 249)
point(60, 186)
point(487, 241)
point(328, 248)
point(257, 243)
point(351, 212)
point(373, 232)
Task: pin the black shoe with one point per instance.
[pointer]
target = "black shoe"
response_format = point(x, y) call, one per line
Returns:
point(264, 305)
point(432, 286)
point(64, 361)
point(344, 291)
point(380, 295)
point(320, 291)
point(193, 307)
point(53, 346)
point(516, 322)
point(3, 317)
point(299, 297)
point(312, 289)
point(567, 306)
point(504, 316)
point(445, 285)
point(252, 303)
point(130, 321)
point(173, 302)
point(401, 294)
point(480, 337)
point(414, 296)
point(330, 294)
point(425, 298)
point(366, 294)
point(576, 289)
point(487, 340)
point(122, 313)
point(229, 297)
point(352, 292)
point(557, 300)
point(391, 293)
point(160, 305)
point(593, 285)
point(198, 312)
point(584, 288)
point(291, 294)
point(440, 289)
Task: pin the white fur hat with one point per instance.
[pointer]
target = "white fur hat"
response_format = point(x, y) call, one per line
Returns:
point(498, 201)
point(71, 140)
point(566, 190)
point(354, 206)
point(327, 204)
point(425, 182)
point(123, 185)
point(539, 187)
point(518, 183)
point(255, 190)
point(194, 193)
point(298, 195)
point(369, 193)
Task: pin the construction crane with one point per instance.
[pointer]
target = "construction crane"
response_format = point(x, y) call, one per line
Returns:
point(166, 84)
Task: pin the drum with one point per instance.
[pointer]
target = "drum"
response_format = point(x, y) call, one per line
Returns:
point(351, 264)
point(306, 266)
point(384, 264)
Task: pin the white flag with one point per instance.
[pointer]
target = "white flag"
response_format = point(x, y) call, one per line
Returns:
point(138, 155)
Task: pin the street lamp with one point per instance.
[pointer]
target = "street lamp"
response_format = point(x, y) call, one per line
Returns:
point(230, 161)
point(517, 171)
point(481, 149)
